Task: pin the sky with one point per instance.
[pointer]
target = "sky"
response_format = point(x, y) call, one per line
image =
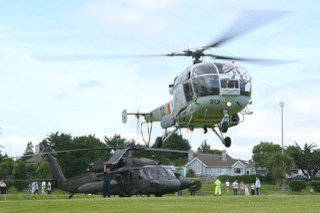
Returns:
point(87, 96)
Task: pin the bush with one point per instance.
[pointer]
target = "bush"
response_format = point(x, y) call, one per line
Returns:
point(9, 183)
point(190, 173)
point(315, 185)
point(297, 185)
point(244, 178)
point(20, 185)
point(198, 184)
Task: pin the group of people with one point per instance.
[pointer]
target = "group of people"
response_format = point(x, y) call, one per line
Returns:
point(34, 187)
point(3, 187)
point(244, 188)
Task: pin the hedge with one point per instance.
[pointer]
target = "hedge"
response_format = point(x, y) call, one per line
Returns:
point(297, 185)
point(315, 185)
point(244, 178)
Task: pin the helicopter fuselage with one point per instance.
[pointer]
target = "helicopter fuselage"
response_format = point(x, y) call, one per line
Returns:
point(202, 94)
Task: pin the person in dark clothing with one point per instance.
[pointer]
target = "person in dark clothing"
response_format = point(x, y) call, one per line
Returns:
point(107, 176)
point(193, 189)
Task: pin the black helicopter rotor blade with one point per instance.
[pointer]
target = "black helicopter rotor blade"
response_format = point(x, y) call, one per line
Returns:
point(246, 21)
point(260, 61)
point(104, 148)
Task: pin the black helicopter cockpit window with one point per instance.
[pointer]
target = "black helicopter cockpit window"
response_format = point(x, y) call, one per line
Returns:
point(170, 172)
point(206, 85)
point(162, 172)
point(152, 172)
point(142, 174)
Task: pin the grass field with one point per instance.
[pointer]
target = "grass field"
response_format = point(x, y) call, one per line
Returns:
point(270, 201)
point(264, 203)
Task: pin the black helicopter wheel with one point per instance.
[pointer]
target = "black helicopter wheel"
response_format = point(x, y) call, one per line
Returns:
point(224, 127)
point(227, 142)
point(158, 142)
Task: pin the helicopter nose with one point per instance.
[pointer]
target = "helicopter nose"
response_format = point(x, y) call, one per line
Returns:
point(168, 186)
point(185, 184)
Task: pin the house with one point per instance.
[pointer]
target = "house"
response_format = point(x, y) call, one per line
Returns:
point(218, 164)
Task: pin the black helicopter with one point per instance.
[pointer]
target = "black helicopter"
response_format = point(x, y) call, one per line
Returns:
point(131, 175)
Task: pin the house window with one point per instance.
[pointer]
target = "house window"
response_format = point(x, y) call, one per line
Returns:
point(248, 172)
point(237, 170)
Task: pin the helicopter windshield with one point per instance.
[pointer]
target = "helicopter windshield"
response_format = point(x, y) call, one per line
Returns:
point(170, 172)
point(162, 172)
point(204, 69)
point(152, 172)
point(206, 85)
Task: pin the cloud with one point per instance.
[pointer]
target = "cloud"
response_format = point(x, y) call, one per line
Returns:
point(89, 84)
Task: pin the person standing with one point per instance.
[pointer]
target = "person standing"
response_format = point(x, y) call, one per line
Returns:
point(253, 189)
point(241, 188)
point(228, 185)
point(258, 186)
point(235, 187)
point(107, 176)
point(218, 187)
point(37, 188)
point(33, 185)
point(49, 187)
point(3, 187)
point(193, 188)
point(43, 187)
point(246, 190)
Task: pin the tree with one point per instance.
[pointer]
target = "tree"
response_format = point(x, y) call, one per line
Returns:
point(75, 163)
point(263, 152)
point(117, 141)
point(176, 142)
point(306, 159)
point(280, 164)
point(28, 151)
point(205, 148)
point(6, 166)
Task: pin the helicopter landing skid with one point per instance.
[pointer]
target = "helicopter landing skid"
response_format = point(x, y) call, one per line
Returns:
point(226, 141)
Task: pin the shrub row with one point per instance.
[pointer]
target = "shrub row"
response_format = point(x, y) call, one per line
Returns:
point(315, 185)
point(244, 178)
point(20, 185)
point(297, 185)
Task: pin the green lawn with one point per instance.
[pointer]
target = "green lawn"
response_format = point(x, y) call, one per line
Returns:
point(264, 203)
point(204, 201)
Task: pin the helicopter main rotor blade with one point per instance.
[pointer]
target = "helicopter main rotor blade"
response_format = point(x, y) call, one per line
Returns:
point(247, 20)
point(87, 57)
point(260, 61)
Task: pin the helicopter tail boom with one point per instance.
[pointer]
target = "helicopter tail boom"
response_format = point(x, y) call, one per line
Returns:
point(155, 115)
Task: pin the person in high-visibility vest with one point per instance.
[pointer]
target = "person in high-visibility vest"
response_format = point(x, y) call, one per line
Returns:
point(218, 188)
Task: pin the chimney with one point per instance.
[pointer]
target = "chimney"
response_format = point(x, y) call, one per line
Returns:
point(190, 155)
point(37, 149)
point(224, 155)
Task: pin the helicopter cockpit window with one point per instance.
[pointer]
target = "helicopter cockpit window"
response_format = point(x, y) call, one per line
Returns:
point(142, 174)
point(170, 172)
point(162, 172)
point(226, 83)
point(245, 82)
point(206, 85)
point(152, 172)
point(188, 91)
point(204, 69)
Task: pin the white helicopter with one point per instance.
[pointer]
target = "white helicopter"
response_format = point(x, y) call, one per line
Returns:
point(209, 95)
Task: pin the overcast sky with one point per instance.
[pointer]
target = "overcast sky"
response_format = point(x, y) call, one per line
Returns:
point(87, 97)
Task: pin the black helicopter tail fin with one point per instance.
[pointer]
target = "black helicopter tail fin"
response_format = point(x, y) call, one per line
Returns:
point(56, 169)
